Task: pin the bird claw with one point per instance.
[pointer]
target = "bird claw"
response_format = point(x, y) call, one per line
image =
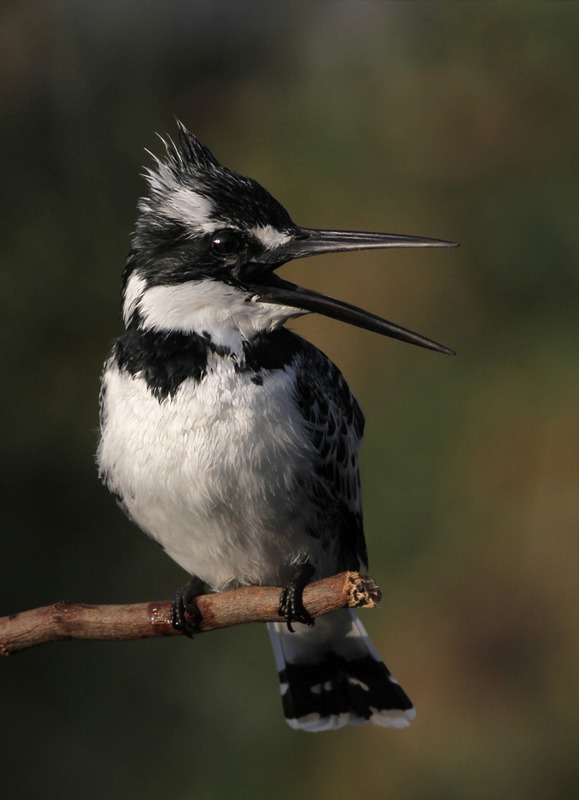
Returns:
point(183, 617)
point(291, 604)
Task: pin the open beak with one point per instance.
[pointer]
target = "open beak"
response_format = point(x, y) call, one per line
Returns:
point(270, 288)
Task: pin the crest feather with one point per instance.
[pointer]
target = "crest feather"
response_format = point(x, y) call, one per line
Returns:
point(189, 154)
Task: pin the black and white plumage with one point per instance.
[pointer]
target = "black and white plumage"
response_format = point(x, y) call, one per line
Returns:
point(231, 440)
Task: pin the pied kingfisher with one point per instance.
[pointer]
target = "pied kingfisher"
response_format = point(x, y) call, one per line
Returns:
point(231, 440)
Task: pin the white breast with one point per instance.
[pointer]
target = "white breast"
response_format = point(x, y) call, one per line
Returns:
point(217, 474)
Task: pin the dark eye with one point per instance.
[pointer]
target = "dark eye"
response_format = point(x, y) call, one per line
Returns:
point(226, 243)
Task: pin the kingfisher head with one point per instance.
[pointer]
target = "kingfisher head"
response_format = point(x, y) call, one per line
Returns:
point(206, 248)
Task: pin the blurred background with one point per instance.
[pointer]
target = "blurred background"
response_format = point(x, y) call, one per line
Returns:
point(456, 120)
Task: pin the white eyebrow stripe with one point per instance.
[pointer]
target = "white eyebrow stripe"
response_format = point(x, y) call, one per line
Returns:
point(192, 209)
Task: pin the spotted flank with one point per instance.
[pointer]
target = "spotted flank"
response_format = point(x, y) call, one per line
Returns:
point(331, 676)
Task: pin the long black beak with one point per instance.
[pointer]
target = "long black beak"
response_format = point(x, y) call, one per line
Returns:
point(269, 288)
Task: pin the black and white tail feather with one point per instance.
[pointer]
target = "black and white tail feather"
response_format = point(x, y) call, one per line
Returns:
point(332, 676)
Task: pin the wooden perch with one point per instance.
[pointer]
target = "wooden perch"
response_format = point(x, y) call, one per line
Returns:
point(208, 612)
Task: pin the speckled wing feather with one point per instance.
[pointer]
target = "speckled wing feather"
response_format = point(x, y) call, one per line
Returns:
point(336, 425)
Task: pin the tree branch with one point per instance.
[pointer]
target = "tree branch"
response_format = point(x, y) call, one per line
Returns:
point(64, 620)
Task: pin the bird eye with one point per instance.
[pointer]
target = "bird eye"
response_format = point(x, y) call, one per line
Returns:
point(226, 243)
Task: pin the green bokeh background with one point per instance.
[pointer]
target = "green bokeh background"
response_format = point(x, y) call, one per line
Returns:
point(449, 119)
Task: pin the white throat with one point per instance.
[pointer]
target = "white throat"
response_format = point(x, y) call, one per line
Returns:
point(226, 313)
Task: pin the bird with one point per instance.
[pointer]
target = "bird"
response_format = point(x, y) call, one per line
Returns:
point(231, 440)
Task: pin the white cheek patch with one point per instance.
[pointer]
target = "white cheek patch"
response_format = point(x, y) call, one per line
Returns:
point(210, 307)
point(193, 306)
point(134, 290)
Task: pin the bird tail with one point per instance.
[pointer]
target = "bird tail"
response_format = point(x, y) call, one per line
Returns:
point(332, 676)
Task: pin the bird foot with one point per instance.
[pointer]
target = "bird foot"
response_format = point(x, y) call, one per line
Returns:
point(183, 616)
point(291, 604)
